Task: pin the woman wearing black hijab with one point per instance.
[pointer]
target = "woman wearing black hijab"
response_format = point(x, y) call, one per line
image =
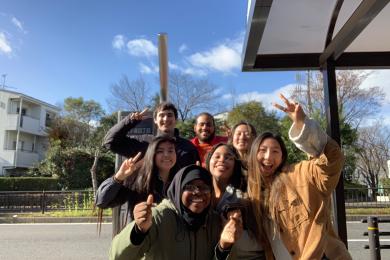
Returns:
point(180, 227)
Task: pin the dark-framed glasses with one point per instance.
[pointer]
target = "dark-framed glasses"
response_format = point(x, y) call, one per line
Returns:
point(197, 188)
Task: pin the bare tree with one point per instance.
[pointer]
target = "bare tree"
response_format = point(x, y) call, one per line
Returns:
point(129, 95)
point(354, 102)
point(373, 152)
point(189, 94)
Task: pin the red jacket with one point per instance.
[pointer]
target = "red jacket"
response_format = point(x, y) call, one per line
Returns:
point(204, 148)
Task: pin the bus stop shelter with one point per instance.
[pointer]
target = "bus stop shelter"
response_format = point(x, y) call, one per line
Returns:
point(320, 35)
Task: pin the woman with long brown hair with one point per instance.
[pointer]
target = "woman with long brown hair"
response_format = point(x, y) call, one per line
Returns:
point(229, 187)
point(292, 202)
point(137, 178)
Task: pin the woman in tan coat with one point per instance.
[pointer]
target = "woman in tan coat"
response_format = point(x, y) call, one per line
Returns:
point(292, 202)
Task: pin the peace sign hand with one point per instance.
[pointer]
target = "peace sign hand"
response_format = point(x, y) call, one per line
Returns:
point(139, 115)
point(128, 167)
point(293, 110)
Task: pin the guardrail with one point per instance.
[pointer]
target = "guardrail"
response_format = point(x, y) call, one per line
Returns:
point(33, 201)
point(373, 236)
point(367, 197)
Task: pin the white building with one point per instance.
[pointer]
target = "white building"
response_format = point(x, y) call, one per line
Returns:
point(23, 136)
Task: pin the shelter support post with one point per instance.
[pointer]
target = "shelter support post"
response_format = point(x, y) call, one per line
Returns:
point(333, 129)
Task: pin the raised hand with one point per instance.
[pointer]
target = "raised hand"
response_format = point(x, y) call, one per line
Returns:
point(232, 230)
point(143, 214)
point(128, 167)
point(293, 110)
point(139, 115)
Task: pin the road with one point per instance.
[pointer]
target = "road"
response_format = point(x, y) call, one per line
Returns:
point(80, 241)
point(54, 241)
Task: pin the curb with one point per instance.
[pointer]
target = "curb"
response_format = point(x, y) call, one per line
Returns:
point(15, 220)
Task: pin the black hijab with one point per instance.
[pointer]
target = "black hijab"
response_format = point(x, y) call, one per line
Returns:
point(187, 174)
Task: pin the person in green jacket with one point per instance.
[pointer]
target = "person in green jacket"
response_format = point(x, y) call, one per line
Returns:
point(180, 227)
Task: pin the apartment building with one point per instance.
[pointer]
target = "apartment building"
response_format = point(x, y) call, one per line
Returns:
point(23, 131)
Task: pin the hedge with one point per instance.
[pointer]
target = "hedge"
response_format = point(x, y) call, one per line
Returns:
point(28, 183)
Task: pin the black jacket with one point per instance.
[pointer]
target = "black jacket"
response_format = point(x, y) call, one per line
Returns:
point(118, 141)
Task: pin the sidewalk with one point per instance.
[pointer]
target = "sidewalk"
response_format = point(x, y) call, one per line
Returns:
point(19, 218)
point(15, 218)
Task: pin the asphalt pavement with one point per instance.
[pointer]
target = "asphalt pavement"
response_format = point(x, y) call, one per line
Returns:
point(80, 241)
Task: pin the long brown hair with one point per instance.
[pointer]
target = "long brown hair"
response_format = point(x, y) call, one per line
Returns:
point(258, 195)
point(147, 174)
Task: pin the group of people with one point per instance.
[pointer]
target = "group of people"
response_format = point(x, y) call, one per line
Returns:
point(217, 197)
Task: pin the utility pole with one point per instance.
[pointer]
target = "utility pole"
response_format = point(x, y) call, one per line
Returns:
point(4, 76)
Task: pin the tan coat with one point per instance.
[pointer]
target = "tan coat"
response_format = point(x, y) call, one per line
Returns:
point(304, 215)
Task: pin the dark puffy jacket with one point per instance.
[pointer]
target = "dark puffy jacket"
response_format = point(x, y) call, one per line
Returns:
point(118, 141)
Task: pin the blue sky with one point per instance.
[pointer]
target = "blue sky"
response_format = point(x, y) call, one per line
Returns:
point(55, 49)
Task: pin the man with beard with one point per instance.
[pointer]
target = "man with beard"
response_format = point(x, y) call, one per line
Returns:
point(204, 129)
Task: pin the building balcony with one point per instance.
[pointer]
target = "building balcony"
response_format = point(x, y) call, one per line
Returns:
point(24, 158)
point(27, 124)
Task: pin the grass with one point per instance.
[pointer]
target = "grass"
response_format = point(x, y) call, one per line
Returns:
point(368, 211)
point(65, 213)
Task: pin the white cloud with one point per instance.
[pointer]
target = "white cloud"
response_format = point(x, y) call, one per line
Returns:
point(194, 72)
point(183, 48)
point(145, 69)
point(173, 66)
point(379, 78)
point(224, 57)
point(118, 42)
point(141, 47)
point(266, 98)
point(18, 24)
point(227, 96)
point(5, 46)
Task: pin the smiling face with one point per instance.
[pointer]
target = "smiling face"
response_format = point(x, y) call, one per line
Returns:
point(222, 164)
point(196, 196)
point(242, 138)
point(204, 128)
point(269, 157)
point(165, 121)
point(165, 157)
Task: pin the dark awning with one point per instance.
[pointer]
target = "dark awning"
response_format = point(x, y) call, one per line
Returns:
point(303, 34)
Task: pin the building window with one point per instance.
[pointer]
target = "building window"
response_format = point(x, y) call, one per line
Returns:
point(23, 111)
point(48, 120)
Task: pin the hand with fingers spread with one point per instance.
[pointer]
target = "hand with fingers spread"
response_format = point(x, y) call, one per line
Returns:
point(232, 230)
point(294, 110)
point(139, 115)
point(128, 167)
point(143, 214)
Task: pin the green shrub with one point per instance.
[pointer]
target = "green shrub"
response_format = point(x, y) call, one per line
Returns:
point(28, 183)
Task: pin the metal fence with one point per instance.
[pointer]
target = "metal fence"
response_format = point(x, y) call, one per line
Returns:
point(367, 197)
point(32, 201)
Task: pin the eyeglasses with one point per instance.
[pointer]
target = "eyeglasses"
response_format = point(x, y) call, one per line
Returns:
point(202, 189)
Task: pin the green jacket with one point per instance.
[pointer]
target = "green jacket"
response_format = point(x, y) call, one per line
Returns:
point(168, 238)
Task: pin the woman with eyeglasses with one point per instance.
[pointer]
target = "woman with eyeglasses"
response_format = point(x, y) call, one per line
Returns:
point(137, 178)
point(180, 227)
point(229, 187)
